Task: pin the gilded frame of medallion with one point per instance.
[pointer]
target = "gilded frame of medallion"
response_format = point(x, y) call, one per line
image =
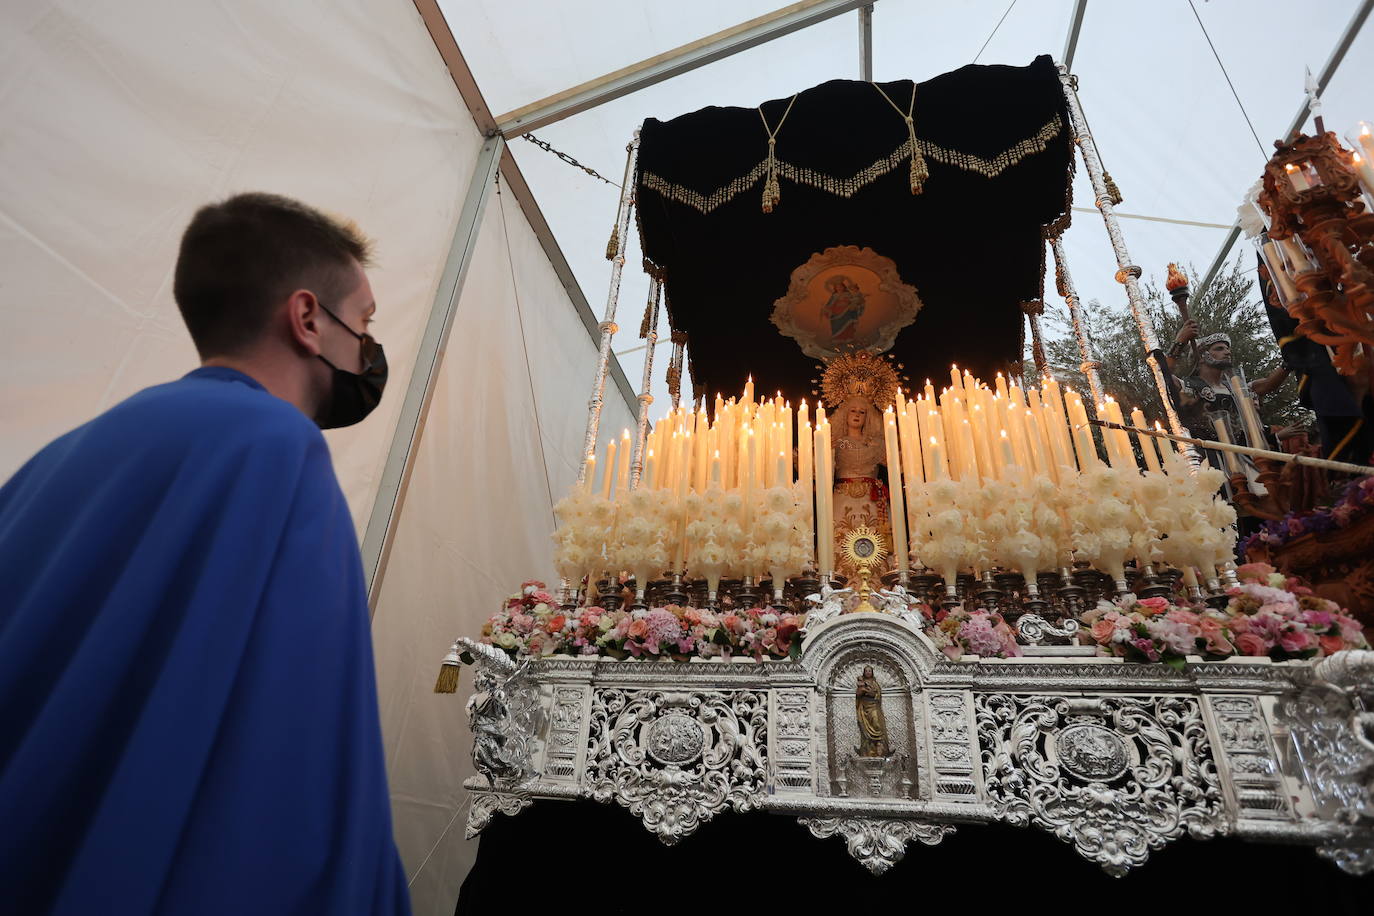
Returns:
point(898, 297)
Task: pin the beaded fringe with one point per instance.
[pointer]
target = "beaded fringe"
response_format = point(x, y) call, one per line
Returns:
point(771, 169)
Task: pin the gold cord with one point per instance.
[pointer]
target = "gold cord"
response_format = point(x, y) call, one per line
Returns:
point(919, 171)
point(771, 192)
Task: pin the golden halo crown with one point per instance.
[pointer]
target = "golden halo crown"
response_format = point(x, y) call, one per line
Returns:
point(860, 375)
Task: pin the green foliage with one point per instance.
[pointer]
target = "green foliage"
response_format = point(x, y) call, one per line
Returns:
point(1230, 304)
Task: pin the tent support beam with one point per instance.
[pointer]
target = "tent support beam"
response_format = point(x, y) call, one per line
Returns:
point(866, 43)
point(515, 180)
point(1352, 30)
point(1075, 26)
point(410, 425)
point(672, 63)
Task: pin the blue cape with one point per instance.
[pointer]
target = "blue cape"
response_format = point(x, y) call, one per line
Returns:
point(188, 710)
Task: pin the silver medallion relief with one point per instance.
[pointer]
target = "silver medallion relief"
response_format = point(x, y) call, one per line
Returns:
point(1092, 752)
point(674, 739)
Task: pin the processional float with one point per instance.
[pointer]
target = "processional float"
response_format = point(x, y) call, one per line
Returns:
point(894, 609)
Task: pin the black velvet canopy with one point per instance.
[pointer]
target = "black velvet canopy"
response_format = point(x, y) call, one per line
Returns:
point(972, 245)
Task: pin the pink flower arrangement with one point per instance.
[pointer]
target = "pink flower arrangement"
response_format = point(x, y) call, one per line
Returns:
point(1268, 614)
point(531, 624)
point(958, 632)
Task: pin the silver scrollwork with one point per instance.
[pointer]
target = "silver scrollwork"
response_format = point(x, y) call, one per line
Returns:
point(676, 759)
point(1330, 726)
point(1116, 776)
point(486, 805)
point(1034, 628)
point(877, 843)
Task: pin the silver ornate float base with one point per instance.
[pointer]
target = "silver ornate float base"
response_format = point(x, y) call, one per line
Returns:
point(1115, 759)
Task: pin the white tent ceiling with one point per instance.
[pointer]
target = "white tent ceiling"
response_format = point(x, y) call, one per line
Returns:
point(1169, 129)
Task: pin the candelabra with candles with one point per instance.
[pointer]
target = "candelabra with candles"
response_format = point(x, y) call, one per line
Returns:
point(997, 497)
point(1319, 243)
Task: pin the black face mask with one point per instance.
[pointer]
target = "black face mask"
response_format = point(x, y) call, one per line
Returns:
point(353, 395)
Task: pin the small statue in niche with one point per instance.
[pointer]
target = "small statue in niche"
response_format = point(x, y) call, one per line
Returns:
point(868, 707)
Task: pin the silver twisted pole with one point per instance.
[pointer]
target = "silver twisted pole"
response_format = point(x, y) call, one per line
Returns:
point(616, 253)
point(675, 369)
point(1127, 274)
point(1037, 345)
point(645, 397)
point(1063, 280)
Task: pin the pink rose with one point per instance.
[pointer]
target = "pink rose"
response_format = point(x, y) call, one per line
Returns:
point(1258, 572)
point(1295, 641)
point(1156, 605)
point(638, 629)
point(1183, 615)
point(1330, 644)
point(1102, 631)
point(1251, 644)
point(1215, 634)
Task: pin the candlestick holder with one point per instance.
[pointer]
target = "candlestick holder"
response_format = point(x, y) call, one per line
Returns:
point(1151, 585)
point(951, 599)
point(674, 590)
point(1012, 585)
point(1216, 596)
point(1172, 578)
point(608, 591)
point(925, 586)
point(989, 595)
point(1098, 584)
point(729, 588)
point(699, 593)
point(805, 584)
point(1072, 594)
point(748, 594)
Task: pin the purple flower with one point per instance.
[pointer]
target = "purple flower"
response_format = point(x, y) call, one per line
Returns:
point(663, 627)
point(1146, 647)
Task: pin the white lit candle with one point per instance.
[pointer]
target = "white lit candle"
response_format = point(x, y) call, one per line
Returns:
point(937, 458)
point(900, 545)
point(1147, 444)
point(588, 472)
point(1297, 178)
point(608, 471)
point(1362, 165)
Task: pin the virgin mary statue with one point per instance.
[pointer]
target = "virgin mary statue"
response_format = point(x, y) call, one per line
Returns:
point(855, 383)
point(861, 497)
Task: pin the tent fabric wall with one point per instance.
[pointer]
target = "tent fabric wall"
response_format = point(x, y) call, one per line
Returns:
point(121, 119)
point(509, 408)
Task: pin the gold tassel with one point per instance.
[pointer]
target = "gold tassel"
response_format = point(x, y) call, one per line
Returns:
point(1112, 190)
point(613, 246)
point(919, 171)
point(771, 192)
point(448, 672)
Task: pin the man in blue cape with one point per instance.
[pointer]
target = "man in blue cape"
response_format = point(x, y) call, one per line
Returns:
point(188, 710)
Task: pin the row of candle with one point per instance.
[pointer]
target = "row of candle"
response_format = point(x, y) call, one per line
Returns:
point(745, 444)
point(970, 433)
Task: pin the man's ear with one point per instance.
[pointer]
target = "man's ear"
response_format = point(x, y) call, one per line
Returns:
point(304, 318)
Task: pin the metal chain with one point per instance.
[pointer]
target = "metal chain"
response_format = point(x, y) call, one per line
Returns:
point(568, 159)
